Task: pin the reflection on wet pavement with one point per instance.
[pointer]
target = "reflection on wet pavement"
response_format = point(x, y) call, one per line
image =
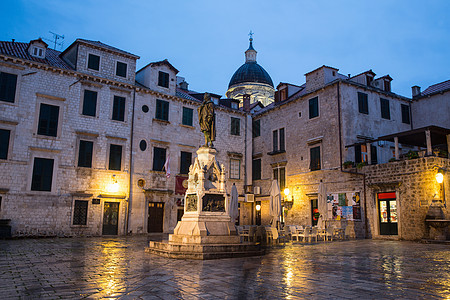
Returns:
point(119, 268)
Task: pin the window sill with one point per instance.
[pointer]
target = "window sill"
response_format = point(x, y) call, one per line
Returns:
point(187, 126)
point(276, 152)
point(79, 226)
point(236, 135)
point(165, 122)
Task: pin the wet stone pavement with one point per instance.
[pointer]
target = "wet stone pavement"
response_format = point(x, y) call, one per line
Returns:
point(100, 267)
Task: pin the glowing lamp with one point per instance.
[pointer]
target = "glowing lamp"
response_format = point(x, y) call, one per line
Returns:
point(439, 176)
point(286, 191)
point(258, 207)
point(114, 186)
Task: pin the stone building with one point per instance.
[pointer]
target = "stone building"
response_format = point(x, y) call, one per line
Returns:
point(84, 138)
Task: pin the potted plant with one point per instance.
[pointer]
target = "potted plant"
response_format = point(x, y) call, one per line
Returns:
point(361, 164)
point(348, 164)
point(412, 154)
point(392, 159)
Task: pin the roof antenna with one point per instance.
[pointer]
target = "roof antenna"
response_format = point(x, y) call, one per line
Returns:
point(55, 39)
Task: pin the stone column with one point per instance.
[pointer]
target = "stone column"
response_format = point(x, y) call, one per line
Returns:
point(428, 138)
point(369, 153)
point(397, 154)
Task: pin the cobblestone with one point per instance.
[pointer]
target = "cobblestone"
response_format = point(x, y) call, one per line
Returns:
point(118, 268)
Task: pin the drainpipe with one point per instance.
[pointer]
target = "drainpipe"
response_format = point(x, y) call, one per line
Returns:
point(130, 192)
point(366, 231)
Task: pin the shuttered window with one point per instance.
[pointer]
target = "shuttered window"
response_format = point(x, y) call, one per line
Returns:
point(363, 104)
point(8, 84)
point(89, 103)
point(115, 157)
point(186, 159)
point(256, 169)
point(315, 158)
point(163, 79)
point(235, 126)
point(385, 111)
point(42, 174)
point(275, 140)
point(405, 114)
point(118, 108)
point(313, 107)
point(94, 62)
point(162, 110)
point(48, 120)
point(85, 154)
point(121, 69)
point(4, 143)
point(187, 116)
point(159, 158)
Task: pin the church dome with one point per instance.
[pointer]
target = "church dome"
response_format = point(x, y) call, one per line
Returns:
point(250, 72)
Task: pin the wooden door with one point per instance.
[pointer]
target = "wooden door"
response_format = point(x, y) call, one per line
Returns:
point(155, 217)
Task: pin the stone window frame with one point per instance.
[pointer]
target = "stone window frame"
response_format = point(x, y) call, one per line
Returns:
point(363, 103)
point(49, 100)
point(121, 158)
point(160, 113)
point(46, 153)
point(406, 114)
point(238, 160)
point(278, 167)
point(99, 61)
point(386, 115)
point(318, 108)
point(183, 109)
point(161, 80)
point(153, 157)
point(125, 114)
point(96, 104)
point(260, 168)
point(256, 130)
point(181, 161)
point(94, 150)
point(236, 129)
point(13, 71)
point(314, 143)
point(279, 140)
point(126, 69)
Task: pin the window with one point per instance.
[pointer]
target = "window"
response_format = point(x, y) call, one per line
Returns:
point(89, 103)
point(85, 154)
point(163, 79)
point(256, 169)
point(42, 174)
point(235, 167)
point(187, 116)
point(159, 158)
point(94, 62)
point(48, 120)
point(8, 84)
point(278, 140)
point(186, 159)
point(162, 110)
point(313, 107)
point(363, 104)
point(279, 174)
point(145, 108)
point(121, 69)
point(143, 145)
point(387, 86)
point(385, 112)
point(118, 113)
point(80, 210)
point(235, 126)
point(115, 157)
point(256, 128)
point(4, 143)
point(405, 114)
point(314, 158)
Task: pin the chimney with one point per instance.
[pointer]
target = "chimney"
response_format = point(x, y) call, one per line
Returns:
point(184, 85)
point(415, 91)
point(246, 102)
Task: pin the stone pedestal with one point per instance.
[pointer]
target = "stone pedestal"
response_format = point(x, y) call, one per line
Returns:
point(205, 230)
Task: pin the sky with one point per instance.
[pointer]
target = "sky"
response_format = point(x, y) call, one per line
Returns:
point(206, 40)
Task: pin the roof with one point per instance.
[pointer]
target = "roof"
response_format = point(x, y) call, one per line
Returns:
point(104, 46)
point(250, 72)
point(436, 88)
point(164, 62)
point(184, 94)
point(416, 137)
point(323, 66)
point(19, 50)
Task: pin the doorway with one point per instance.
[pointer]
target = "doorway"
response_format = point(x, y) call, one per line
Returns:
point(314, 212)
point(110, 218)
point(387, 207)
point(155, 217)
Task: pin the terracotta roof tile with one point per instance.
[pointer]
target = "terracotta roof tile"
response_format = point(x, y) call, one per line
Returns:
point(436, 88)
point(19, 50)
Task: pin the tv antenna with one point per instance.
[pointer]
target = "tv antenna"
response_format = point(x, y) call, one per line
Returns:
point(55, 39)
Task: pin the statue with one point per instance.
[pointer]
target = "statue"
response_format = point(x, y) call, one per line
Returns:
point(207, 120)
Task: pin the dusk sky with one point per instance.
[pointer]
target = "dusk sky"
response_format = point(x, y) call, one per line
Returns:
point(205, 40)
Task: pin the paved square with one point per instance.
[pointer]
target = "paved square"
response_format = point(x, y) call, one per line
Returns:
point(100, 267)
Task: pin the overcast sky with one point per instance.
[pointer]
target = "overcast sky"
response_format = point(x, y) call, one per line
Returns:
point(205, 39)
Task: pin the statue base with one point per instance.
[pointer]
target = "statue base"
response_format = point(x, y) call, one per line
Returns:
point(205, 230)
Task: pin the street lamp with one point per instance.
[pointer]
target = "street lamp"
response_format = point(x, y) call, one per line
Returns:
point(440, 176)
point(258, 207)
point(113, 187)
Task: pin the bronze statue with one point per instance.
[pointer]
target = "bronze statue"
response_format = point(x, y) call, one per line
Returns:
point(207, 120)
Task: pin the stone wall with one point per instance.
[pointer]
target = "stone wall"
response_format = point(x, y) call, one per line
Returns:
point(415, 186)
